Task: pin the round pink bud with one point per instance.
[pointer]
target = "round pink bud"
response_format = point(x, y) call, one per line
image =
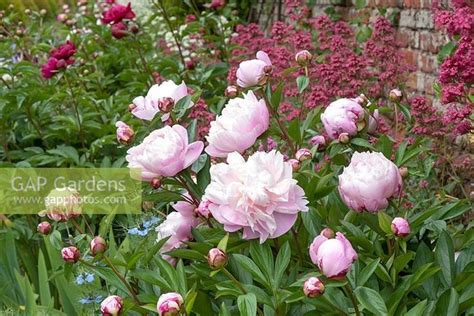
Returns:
point(319, 141)
point(155, 183)
point(400, 227)
point(124, 133)
point(111, 306)
point(403, 171)
point(166, 104)
point(344, 138)
point(169, 304)
point(98, 245)
point(216, 258)
point(303, 57)
point(231, 91)
point(303, 154)
point(313, 287)
point(295, 164)
point(61, 17)
point(395, 95)
point(203, 209)
point(70, 254)
point(327, 232)
point(254, 72)
point(362, 99)
point(44, 228)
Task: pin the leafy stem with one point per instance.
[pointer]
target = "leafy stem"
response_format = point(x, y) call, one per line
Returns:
point(352, 297)
point(120, 276)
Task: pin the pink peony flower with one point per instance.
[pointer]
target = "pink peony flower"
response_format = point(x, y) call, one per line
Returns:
point(49, 69)
point(147, 107)
point(303, 57)
point(165, 152)
point(98, 245)
point(64, 51)
point(62, 204)
point(44, 228)
point(124, 133)
point(242, 121)
point(253, 72)
point(341, 116)
point(111, 306)
point(400, 227)
point(203, 209)
point(169, 304)
point(70, 254)
point(117, 13)
point(258, 195)
point(119, 30)
point(369, 181)
point(318, 140)
point(334, 257)
point(313, 287)
point(177, 226)
point(216, 258)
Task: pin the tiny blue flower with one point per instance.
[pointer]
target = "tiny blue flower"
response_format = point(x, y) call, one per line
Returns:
point(79, 279)
point(90, 277)
point(133, 231)
point(143, 232)
point(99, 299)
point(85, 300)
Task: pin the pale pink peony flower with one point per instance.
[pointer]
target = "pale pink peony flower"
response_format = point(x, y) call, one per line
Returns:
point(98, 245)
point(373, 122)
point(395, 95)
point(216, 258)
point(258, 195)
point(400, 227)
point(177, 226)
point(169, 304)
point(369, 181)
point(124, 133)
point(62, 204)
point(313, 287)
point(242, 121)
point(165, 152)
point(334, 257)
point(111, 306)
point(341, 116)
point(147, 107)
point(318, 140)
point(254, 72)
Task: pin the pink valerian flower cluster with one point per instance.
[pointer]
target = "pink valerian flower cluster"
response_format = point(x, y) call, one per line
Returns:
point(340, 71)
point(59, 58)
point(457, 71)
point(428, 121)
point(117, 16)
point(203, 116)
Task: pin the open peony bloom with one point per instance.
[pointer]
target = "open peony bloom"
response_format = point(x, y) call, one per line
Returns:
point(117, 13)
point(177, 226)
point(111, 306)
point(242, 121)
point(64, 51)
point(400, 227)
point(369, 181)
point(147, 107)
point(165, 152)
point(169, 304)
point(253, 72)
point(334, 256)
point(341, 116)
point(258, 195)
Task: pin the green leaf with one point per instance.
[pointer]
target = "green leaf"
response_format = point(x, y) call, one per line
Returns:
point(444, 256)
point(294, 130)
point(247, 304)
point(302, 83)
point(223, 243)
point(364, 33)
point(385, 222)
point(44, 291)
point(371, 300)
point(448, 303)
point(251, 267)
point(276, 96)
point(281, 263)
point(418, 309)
point(360, 4)
point(385, 145)
point(367, 272)
point(446, 51)
point(362, 143)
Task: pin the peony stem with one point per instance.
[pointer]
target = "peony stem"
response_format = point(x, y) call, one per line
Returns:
point(233, 279)
point(127, 285)
point(352, 297)
point(76, 110)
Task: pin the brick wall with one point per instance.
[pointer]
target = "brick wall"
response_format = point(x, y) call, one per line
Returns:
point(419, 41)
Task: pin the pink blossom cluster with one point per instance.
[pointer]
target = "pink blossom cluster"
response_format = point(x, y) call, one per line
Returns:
point(457, 71)
point(428, 121)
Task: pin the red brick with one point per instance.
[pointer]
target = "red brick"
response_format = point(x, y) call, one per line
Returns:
point(411, 56)
point(429, 82)
point(427, 4)
point(412, 4)
point(403, 38)
point(428, 63)
point(412, 81)
point(431, 42)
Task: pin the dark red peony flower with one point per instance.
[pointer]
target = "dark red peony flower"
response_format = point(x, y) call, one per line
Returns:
point(117, 13)
point(64, 51)
point(49, 69)
point(119, 30)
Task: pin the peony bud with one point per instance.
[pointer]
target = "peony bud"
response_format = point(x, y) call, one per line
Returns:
point(98, 245)
point(61, 64)
point(403, 171)
point(318, 140)
point(131, 107)
point(203, 209)
point(61, 17)
point(155, 183)
point(119, 30)
point(400, 227)
point(216, 258)
point(111, 306)
point(395, 95)
point(43, 12)
point(362, 100)
point(124, 133)
point(134, 29)
point(295, 164)
point(27, 11)
point(169, 304)
point(70, 22)
point(327, 232)
point(303, 57)
point(231, 91)
point(344, 138)
point(303, 154)
point(166, 104)
point(44, 228)
point(313, 287)
point(70, 254)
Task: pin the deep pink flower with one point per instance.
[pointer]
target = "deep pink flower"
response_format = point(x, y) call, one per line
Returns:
point(369, 181)
point(49, 69)
point(258, 195)
point(165, 152)
point(119, 30)
point(64, 51)
point(334, 257)
point(117, 13)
